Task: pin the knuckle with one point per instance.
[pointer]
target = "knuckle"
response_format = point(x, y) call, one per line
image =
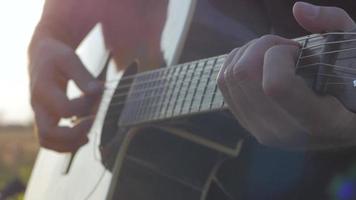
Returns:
point(242, 71)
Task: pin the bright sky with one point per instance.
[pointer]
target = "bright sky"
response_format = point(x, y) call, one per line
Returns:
point(18, 19)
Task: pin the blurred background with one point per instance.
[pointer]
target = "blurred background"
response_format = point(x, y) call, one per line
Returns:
point(18, 143)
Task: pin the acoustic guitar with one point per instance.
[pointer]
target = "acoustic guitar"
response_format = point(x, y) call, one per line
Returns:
point(167, 134)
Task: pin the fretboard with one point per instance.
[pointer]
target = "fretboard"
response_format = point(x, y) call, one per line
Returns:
point(174, 91)
point(182, 90)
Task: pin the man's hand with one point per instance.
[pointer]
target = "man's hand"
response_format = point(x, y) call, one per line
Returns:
point(52, 65)
point(259, 84)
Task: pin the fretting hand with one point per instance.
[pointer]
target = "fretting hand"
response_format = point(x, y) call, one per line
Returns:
point(275, 105)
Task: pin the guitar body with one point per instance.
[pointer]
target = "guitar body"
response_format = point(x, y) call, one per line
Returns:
point(204, 156)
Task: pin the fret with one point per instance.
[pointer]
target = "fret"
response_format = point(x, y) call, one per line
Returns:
point(154, 93)
point(206, 96)
point(160, 93)
point(144, 100)
point(150, 96)
point(176, 85)
point(220, 61)
point(189, 88)
point(168, 91)
point(196, 81)
point(182, 91)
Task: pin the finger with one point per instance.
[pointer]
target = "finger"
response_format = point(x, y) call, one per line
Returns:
point(231, 59)
point(221, 79)
point(292, 93)
point(319, 19)
point(63, 139)
point(71, 66)
point(245, 80)
point(55, 100)
point(229, 62)
point(249, 66)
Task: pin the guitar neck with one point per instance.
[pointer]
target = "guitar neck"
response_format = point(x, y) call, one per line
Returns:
point(181, 90)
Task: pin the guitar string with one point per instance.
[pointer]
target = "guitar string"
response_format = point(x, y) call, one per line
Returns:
point(170, 111)
point(326, 65)
point(318, 37)
point(203, 67)
point(168, 105)
point(195, 69)
point(328, 43)
point(169, 85)
point(182, 81)
point(196, 108)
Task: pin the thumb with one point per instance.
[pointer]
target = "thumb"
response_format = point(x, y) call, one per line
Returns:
point(317, 19)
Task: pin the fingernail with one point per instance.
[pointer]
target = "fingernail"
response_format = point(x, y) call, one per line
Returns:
point(95, 87)
point(310, 10)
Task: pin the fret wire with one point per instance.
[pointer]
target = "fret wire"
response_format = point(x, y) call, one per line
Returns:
point(180, 101)
point(177, 82)
point(160, 97)
point(156, 87)
point(195, 89)
point(169, 83)
point(146, 82)
point(165, 88)
point(186, 88)
point(215, 86)
point(168, 92)
point(211, 82)
point(179, 91)
point(171, 96)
